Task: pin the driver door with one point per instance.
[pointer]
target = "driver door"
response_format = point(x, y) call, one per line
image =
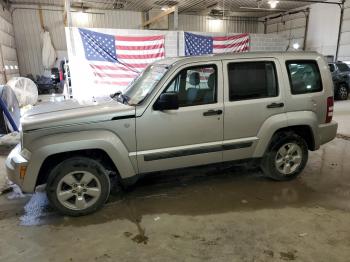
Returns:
point(190, 135)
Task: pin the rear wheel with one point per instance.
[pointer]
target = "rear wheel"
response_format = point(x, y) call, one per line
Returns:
point(342, 92)
point(286, 157)
point(78, 186)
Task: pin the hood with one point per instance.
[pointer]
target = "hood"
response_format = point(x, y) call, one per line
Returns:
point(72, 112)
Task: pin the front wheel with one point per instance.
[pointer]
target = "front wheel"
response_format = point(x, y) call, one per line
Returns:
point(78, 186)
point(286, 157)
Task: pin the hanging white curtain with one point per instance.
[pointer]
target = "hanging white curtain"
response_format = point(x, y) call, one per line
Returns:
point(48, 53)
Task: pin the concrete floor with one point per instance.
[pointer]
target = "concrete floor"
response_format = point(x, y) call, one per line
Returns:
point(231, 214)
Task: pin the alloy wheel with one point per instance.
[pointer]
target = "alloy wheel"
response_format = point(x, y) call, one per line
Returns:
point(78, 190)
point(288, 158)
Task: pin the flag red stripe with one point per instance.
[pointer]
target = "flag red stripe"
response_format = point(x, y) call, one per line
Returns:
point(112, 83)
point(145, 47)
point(146, 56)
point(110, 67)
point(126, 68)
point(99, 74)
point(139, 38)
point(232, 37)
point(245, 42)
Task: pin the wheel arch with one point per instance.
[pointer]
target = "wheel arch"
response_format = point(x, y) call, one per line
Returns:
point(303, 123)
point(303, 131)
point(53, 160)
point(95, 142)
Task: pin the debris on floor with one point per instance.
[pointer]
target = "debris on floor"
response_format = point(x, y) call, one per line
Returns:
point(15, 193)
point(34, 209)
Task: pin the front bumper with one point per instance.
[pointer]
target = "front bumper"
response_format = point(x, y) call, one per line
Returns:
point(14, 162)
point(327, 132)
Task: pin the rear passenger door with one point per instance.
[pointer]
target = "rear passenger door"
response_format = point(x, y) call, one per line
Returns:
point(252, 94)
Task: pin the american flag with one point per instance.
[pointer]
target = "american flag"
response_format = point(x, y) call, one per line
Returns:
point(201, 45)
point(116, 60)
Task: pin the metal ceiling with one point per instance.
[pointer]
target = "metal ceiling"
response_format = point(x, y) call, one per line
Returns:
point(185, 6)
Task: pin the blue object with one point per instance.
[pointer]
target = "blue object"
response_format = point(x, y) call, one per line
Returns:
point(8, 115)
point(198, 44)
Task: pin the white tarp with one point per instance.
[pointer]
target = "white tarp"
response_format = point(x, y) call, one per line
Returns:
point(25, 89)
point(49, 55)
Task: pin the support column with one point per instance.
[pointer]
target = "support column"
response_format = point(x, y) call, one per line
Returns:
point(176, 18)
point(340, 28)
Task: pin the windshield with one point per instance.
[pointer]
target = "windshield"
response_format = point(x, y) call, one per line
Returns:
point(143, 85)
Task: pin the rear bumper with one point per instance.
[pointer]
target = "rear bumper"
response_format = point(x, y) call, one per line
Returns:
point(327, 132)
point(13, 163)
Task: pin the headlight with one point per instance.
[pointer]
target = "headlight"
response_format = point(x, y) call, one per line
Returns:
point(25, 153)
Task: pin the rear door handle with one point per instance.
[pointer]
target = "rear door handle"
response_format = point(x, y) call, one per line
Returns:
point(275, 105)
point(212, 112)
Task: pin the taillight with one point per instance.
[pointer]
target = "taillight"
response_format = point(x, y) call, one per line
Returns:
point(61, 75)
point(330, 107)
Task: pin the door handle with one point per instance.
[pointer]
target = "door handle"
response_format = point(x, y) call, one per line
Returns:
point(275, 105)
point(212, 112)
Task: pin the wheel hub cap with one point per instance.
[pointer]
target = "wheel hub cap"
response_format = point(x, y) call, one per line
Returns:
point(288, 158)
point(78, 190)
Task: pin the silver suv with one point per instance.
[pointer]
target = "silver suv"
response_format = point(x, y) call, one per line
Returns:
point(180, 112)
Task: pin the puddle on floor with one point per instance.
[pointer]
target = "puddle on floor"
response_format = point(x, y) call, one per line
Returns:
point(211, 190)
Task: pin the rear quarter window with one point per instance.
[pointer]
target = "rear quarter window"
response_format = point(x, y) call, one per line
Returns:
point(304, 76)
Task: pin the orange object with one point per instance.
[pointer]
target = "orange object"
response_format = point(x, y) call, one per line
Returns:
point(22, 172)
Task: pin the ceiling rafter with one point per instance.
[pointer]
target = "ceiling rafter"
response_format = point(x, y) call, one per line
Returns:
point(184, 6)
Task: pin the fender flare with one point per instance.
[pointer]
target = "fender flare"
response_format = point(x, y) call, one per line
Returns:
point(285, 120)
point(83, 140)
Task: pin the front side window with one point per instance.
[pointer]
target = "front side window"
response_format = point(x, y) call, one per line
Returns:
point(304, 76)
point(252, 80)
point(195, 85)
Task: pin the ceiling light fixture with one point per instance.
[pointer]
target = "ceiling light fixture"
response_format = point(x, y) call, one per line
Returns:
point(164, 8)
point(273, 3)
point(296, 46)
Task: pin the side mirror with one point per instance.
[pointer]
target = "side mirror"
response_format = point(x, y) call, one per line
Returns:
point(167, 101)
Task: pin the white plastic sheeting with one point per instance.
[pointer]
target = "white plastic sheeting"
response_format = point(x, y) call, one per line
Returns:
point(25, 89)
point(49, 55)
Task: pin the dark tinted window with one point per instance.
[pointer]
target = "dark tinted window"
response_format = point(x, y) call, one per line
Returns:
point(195, 85)
point(304, 76)
point(252, 80)
point(343, 67)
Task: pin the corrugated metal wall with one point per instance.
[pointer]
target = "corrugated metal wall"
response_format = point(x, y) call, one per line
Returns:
point(291, 26)
point(198, 23)
point(344, 47)
point(8, 55)
point(27, 29)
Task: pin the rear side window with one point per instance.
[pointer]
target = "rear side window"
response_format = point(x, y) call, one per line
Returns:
point(252, 80)
point(304, 76)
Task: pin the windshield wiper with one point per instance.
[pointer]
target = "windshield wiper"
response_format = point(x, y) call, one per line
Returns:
point(120, 97)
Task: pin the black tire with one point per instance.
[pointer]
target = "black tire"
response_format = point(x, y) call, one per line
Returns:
point(269, 161)
point(74, 167)
point(342, 92)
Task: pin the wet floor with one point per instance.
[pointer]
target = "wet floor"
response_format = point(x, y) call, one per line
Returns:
point(214, 190)
point(230, 213)
point(203, 208)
